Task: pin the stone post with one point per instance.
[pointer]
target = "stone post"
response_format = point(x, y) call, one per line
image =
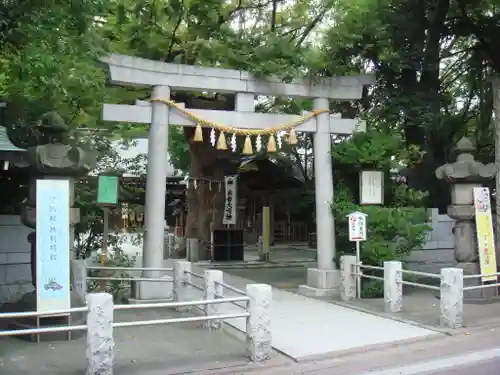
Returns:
point(393, 287)
point(347, 277)
point(213, 290)
point(464, 175)
point(100, 343)
point(323, 280)
point(452, 297)
point(258, 330)
point(79, 277)
point(156, 185)
point(182, 279)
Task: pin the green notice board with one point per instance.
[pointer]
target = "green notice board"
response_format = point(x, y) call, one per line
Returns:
point(107, 190)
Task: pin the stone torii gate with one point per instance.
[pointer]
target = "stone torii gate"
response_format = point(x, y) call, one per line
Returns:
point(162, 77)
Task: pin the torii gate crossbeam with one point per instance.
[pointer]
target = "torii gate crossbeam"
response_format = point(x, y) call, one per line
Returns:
point(131, 71)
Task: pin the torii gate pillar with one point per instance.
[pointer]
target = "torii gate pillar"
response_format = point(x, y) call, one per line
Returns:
point(131, 71)
point(324, 280)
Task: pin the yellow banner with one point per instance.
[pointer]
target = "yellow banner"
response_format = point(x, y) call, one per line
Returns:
point(485, 235)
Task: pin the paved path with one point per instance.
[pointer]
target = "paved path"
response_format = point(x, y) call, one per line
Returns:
point(159, 350)
point(303, 327)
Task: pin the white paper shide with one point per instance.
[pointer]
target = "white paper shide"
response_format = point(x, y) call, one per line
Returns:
point(231, 189)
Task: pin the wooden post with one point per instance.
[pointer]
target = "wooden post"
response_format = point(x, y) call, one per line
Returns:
point(266, 233)
point(105, 237)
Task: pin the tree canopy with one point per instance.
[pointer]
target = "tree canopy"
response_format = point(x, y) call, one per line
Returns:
point(433, 59)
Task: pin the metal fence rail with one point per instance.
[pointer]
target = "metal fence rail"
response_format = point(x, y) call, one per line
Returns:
point(157, 279)
point(451, 288)
point(100, 313)
point(231, 288)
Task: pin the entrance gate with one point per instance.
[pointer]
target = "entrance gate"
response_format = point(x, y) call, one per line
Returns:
point(162, 77)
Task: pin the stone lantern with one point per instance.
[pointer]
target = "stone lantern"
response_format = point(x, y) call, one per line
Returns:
point(464, 175)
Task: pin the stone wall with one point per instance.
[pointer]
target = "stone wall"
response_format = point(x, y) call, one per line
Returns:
point(438, 252)
point(15, 268)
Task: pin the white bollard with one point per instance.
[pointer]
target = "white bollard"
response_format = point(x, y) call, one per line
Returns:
point(182, 281)
point(452, 297)
point(347, 277)
point(100, 351)
point(393, 287)
point(258, 331)
point(213, 290)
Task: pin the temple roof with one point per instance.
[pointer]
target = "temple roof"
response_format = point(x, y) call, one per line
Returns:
point(5, 142)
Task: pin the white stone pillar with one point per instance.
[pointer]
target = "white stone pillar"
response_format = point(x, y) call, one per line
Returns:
point(323, 176)
point(347, 277)
point(182, 281)
point(154, 213)
point(393, 288)
point(213, 290)
point(258, 330)
point(452, 297)
point(100, 351)
point(323, 280)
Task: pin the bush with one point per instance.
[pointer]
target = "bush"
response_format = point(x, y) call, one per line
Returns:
point(120, 290)
point(392, 233)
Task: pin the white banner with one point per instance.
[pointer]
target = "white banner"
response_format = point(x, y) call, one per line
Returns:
point(52, 245)
point(230, 204)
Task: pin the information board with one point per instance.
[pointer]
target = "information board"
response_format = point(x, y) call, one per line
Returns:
point(485, 236)
point(357, 226)
point(107, 190)
point(52, 244)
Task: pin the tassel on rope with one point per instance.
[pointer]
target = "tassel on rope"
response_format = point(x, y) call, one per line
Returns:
point(221, 143)
point(198, 134)
point(271, 144)
point(247, 147)
point(292, 137)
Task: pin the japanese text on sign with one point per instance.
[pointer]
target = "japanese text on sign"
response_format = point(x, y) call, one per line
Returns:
point(357, 226)
point(484, 230)
point(52, 241)
point(230, 201)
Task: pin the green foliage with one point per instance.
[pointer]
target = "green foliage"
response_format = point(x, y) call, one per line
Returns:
point(119, 289)
point(178, 149)
point(394, 229)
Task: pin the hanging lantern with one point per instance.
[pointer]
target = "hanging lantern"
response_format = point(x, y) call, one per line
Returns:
point(247, 148)
point(198, 134)
point(221, 143)
point(292, 137)
point(271, 144)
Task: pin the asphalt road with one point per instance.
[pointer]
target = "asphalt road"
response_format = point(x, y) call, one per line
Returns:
point(485, 362)
point(489, 367)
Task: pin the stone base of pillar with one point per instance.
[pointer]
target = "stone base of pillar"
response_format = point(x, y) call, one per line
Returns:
point(321, 283)
point(478, 295)
point(152, 291)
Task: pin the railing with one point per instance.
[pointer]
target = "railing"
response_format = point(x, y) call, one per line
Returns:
point(100, 314)
point(451, 287)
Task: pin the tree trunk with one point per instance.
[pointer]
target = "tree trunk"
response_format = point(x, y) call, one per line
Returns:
point(205, 200)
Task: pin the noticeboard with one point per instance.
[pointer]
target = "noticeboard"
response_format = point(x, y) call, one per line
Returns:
point(107, 190)
point(52, 245)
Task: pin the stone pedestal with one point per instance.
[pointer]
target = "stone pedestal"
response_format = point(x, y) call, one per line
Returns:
point(321, 283)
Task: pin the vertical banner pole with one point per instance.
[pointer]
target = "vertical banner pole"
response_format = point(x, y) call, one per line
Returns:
point(105, 238)
point(358, 261)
